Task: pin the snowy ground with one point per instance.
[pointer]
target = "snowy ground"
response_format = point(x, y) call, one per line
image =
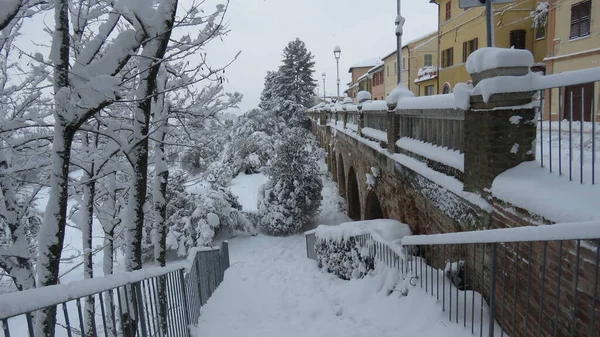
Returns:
point(246, 188)
point(272, 289)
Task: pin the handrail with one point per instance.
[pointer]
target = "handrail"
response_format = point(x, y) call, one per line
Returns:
point(40, 298)
point(556, 232)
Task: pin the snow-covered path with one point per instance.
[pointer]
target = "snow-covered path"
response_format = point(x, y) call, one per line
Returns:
point(272, 289)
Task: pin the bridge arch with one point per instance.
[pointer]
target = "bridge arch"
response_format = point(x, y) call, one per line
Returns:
point(333, 168)
point(373, 209)
point(341, 177)
point(353, 195)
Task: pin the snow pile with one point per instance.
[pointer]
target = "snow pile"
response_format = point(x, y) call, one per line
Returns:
point(398, 94)
point(363, 96)
point(452, 158)
point(375, 134)
point(426, 73)
point(366, 63)
point(389, 230)
point(375, 106)
point(533, 188)
point(446, 101)
point(462, 96)
point(296, 300)
point(490, 57)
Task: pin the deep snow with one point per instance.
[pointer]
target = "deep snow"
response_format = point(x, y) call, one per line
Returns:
point(272, 289)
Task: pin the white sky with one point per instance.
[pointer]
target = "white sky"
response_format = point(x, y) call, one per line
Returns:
point(260, 29)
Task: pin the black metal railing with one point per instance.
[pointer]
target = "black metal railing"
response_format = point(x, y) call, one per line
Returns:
point(149, 302)
point(535, 280)
point(567, 138)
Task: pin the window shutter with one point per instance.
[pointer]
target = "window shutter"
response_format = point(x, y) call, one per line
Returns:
point(465, 51)
point(585, 13)
point(451, 57)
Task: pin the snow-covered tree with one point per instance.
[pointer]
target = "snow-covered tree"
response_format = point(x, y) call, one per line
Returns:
point(296, 82)
point(292, 196)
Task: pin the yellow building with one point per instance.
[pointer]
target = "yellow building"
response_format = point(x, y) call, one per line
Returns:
point(390, 72)
point(463, 31)
point(573, 44)
point(360, 78)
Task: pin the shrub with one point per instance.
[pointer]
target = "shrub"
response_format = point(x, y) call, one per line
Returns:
point(344, 258)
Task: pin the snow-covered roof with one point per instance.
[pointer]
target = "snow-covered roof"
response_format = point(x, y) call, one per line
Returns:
point(426, 73)
point(366, 63)
point(423, 37)
point(375, 68)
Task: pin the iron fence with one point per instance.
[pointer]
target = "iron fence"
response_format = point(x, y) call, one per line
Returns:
point(146, 303)
point(568, 119)
point(524, 281)
point(538, 281)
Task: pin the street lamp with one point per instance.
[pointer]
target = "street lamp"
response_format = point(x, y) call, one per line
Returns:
point(399, 30)
point(323, 75)
point(337, 51)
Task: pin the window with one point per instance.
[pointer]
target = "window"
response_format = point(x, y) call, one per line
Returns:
point(428, 61)
point(429, 90)
point(582, 102)
point(447, 57)
point(580, 19)
point(395, 68)
point(387, 70)
point(540, 33)
point(403, 63)
point(448, 10)
point(517, 38)
point(469, 47)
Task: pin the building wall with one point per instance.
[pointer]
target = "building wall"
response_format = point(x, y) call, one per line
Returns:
point(465, 25)
point(378, 91)
point(418, 49)
point(422, 85)
point(405, 68)
point(390, 77)
point(358, 72)
point(566, 54)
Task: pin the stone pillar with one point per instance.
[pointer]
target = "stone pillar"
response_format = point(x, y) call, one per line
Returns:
point(361, 120)
point(500, 130)
point(392, 128)
point(345, 117)
point(323, 117)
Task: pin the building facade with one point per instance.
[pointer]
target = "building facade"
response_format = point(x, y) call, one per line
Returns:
point(573, 44)
point(462, 31)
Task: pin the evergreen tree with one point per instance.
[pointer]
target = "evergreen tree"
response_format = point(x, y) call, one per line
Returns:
point(292, 196)
point(296, 82)
point(268, 97)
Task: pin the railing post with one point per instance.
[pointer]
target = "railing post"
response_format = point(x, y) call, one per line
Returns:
point(345, 117)
point(500, 130)
point(361, 120)
point(493, 267)
point(185, 303)
point(392, 128)
point(140, 305)
point(322, 117)
point(224, 258)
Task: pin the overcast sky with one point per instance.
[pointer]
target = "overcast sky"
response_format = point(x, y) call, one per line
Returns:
point(260, 29)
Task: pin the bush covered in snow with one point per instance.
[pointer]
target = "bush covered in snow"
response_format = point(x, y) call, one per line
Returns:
point(253, 142)
point(345, 258)
point(196, 219)
point(292, 196)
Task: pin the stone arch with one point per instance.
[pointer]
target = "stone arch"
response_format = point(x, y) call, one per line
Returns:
point(341, 177)
point(373, 209)
point(333, 168)
point(353, 195)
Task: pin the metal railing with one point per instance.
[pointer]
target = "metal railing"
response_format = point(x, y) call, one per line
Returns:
point(538, 280)
point(442, 127)
point(149, 302)
point(567, 141)
point(535, 280)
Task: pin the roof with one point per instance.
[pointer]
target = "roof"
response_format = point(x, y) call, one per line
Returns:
point(422, 37)
point(376, 68)
point(366, 63)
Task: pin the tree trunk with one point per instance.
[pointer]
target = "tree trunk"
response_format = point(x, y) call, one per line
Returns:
point(161, 178)
point(108, 252)
point(52, 232)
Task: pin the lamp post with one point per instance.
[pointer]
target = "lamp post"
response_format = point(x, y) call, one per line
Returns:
point(399, 30)
point(323, 75)
point(337, 51)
